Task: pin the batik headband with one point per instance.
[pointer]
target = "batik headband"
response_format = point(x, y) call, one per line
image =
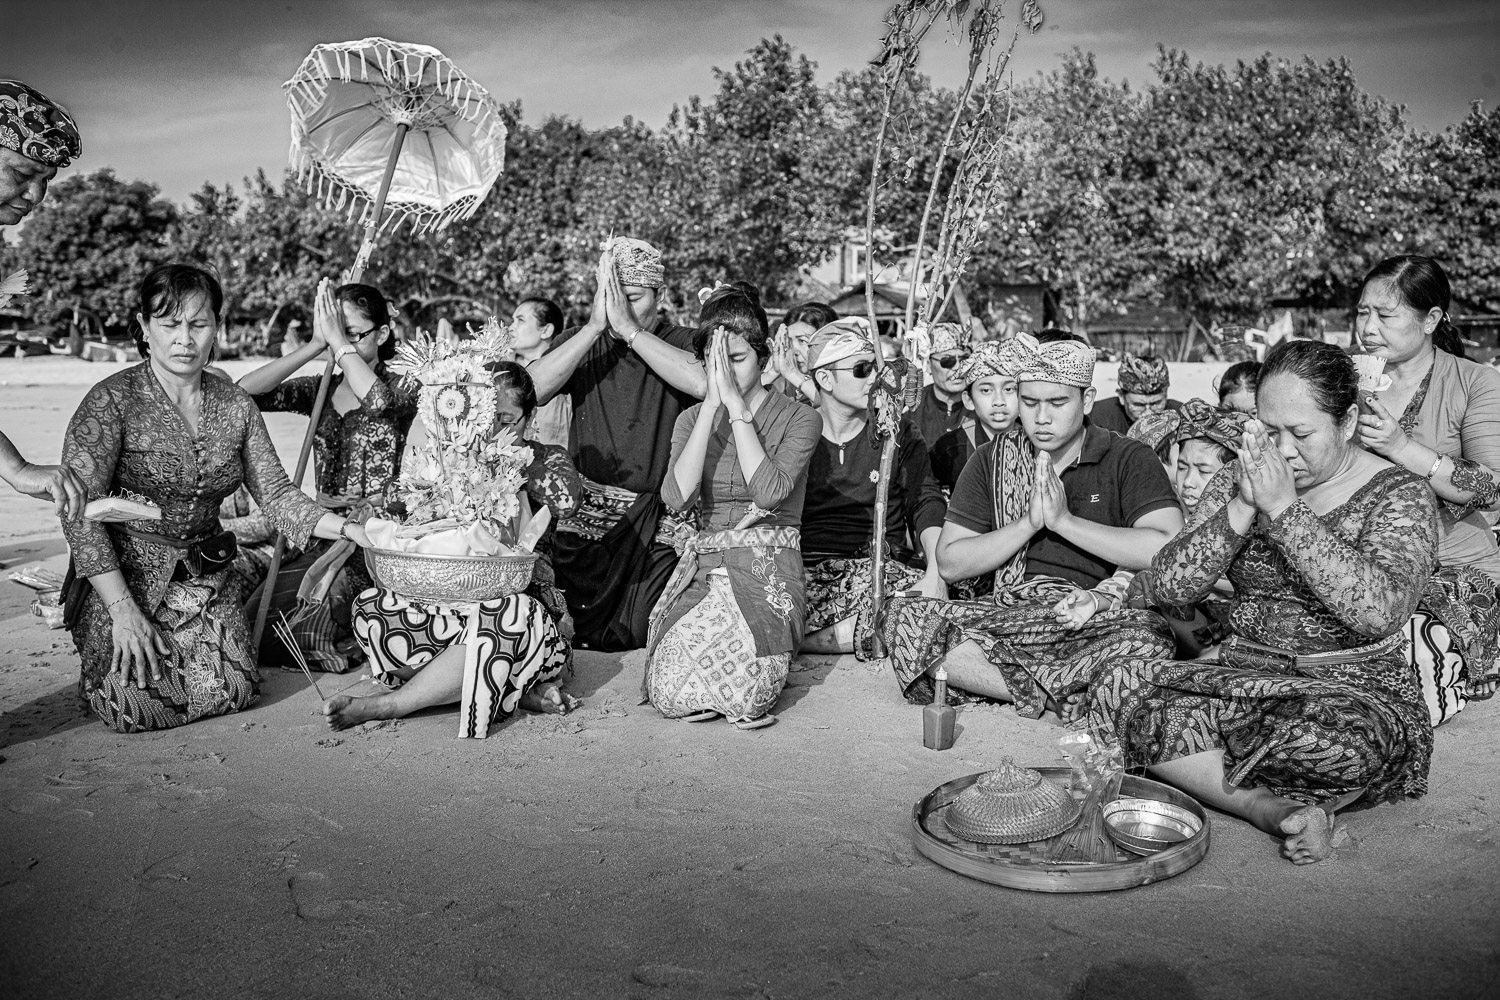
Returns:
point(1146, 374)
point(994, 358)
point(37, 128)
point(1066, 362)
point(1201, 419)
point(838, 341)
point(637, 262)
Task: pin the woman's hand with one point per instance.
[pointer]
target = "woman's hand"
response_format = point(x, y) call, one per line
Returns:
point(57, 483)
point(328, 319)
point(728, 389)
point(137, 646)
point(712, 400)
point(355, 532)
point(1379, 431)
point(1076, 609)
point(1271, 479)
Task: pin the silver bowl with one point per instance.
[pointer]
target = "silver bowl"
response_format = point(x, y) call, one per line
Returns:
point(1145, 826)
point(436, 579)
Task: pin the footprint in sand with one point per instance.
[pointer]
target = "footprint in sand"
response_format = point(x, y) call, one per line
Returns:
point(312, 896)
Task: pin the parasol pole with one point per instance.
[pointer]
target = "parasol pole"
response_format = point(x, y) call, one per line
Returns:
point(355, 273)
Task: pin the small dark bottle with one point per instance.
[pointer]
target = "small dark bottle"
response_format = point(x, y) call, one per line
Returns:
point(938, 718)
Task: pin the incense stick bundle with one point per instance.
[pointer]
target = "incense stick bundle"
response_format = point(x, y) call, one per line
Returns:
point(284, 633)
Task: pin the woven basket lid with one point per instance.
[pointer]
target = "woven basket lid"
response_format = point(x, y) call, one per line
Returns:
point(1011, 805)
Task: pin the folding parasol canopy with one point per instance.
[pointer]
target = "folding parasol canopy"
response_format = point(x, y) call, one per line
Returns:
point(390, 133)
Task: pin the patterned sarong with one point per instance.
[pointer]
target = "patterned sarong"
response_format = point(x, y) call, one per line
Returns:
point(1455, 641)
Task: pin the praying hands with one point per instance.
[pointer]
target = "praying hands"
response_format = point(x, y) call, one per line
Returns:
point(1266, 480)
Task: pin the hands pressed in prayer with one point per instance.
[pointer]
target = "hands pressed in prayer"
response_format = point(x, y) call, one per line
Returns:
point(722, 377)
point(1054, 499)
point(622, 322)
point(713, 400)
point(1379, 431)
point(1266, 480)
point(1074, 611)
point(328, 318)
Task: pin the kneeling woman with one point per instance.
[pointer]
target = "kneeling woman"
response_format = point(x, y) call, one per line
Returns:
point(1311, 704)
point(724, 631)
point(154, 606)
point(514, 652)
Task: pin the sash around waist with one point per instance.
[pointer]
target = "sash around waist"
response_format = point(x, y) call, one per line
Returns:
point(744, 538)
point(167, 540)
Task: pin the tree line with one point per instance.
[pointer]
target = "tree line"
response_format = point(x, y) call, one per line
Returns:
point(1210, 189)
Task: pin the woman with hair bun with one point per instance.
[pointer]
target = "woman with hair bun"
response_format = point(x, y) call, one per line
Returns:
point(723, 634)
point(153, 605)
point(1310, 704)
point(1440, 419)
point(361, 431)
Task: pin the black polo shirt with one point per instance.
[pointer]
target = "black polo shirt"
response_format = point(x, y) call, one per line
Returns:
point(1110, 414)
point(934, 418)
point(1116, 481)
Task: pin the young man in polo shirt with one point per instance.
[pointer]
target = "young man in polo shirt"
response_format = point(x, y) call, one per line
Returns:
point(1060, 506)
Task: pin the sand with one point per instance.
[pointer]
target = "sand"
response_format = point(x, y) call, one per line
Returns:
point(612, 853)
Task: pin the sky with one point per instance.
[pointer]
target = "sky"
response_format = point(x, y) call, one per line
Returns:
point(178, 92)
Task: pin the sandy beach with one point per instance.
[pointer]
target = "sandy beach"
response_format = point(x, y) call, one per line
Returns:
point(612, 853)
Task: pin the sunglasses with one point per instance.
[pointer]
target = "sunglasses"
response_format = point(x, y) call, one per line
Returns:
point(951, 360)
point(860, 369)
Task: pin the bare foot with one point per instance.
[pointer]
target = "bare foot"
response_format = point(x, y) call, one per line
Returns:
point(1074, 707)
point(342, 711)
point(1310, 835)
point(549, 699)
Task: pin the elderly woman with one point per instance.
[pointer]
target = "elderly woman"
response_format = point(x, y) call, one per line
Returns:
point(358, 443)
point(507, 653)
point(1440, 419)
point(1311, 704)
point(152, 605)
point(722, 636)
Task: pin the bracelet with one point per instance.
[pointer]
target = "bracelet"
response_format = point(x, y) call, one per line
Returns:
point(344, 530)
point(117, 600)
point(1436, 462)
point(630, 341)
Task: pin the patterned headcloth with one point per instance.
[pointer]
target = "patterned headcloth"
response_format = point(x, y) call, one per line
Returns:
point(1147, 373)
point(994, 358)
point(837, 342)
point(37, 128)
point(949, 337)
point(1201, 419)
point(638, 263)
point(1066, 362)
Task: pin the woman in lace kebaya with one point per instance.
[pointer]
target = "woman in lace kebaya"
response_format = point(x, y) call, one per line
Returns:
point(1311, 703)
point(158, 623)
point(358, 443)
point(724, 632)
point(1440, 419)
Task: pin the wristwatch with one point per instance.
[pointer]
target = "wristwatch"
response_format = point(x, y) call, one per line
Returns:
point(341, 353)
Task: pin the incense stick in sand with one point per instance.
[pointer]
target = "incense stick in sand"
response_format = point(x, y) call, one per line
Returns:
point(284, 632)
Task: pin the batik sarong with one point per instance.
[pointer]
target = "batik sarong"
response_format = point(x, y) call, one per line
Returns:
point(1454, 637)
point(838, 589)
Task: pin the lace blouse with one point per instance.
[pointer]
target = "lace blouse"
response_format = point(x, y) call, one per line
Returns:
point(127, 434)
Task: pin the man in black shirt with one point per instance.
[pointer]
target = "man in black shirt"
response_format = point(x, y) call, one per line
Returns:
point(630, 372)
point(838, 515)
point(1142, 389)
point(1056, 510)
point(947, 346)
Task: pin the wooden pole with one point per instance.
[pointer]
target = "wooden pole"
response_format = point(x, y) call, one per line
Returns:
point(355, 273)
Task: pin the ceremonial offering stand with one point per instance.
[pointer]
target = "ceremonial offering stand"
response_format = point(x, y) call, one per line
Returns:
point(1024, 865)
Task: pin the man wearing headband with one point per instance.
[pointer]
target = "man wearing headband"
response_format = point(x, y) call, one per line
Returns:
point(37, 136)
point(989, 378)
point(946, 347)
point(838, 514)
point(1058, 510)
point(629, 372)
point(1142, 389)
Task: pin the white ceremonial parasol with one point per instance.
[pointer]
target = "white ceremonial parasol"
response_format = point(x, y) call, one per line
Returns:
point(389, 132)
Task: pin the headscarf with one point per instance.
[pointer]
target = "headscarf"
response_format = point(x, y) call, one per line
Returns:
point(993, 358)
point(838, 341)
point(637, 262)
point(37, 128)
point(940, 338)
point(1201, 419)
point(1197, 419)
point(1066, 362)
point(1147, 374)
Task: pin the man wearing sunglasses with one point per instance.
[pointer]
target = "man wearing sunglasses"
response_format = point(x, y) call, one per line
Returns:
point(942, 405)
point(838, 515)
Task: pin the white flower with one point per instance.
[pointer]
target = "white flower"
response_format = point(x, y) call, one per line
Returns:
point(874, 475)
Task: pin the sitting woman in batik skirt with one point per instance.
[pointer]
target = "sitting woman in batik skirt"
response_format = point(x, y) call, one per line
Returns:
point(1310, 703)
point(521, 644)
point(724, 632)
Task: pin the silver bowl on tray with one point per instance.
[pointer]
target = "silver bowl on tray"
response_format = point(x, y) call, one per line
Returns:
point(437, 579)
point(1146, 826)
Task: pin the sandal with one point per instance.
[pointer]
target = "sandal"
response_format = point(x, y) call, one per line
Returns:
point(765, 721)
point(707, 715)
